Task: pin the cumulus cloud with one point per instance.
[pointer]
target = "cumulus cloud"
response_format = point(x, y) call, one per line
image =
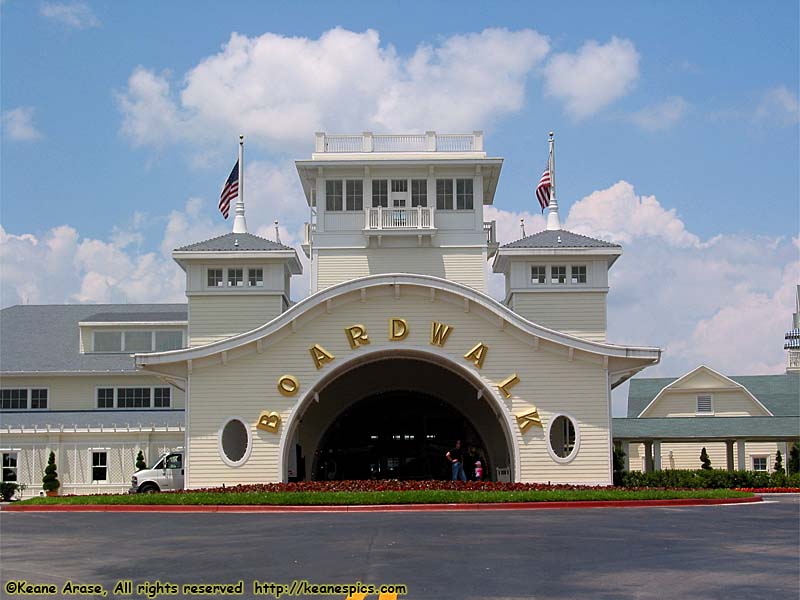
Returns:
point(724, 301)
point(77, 15)
point(593, 77)
point(277, 89)
point(18, 124)
point(661, 116)
point(780, 106)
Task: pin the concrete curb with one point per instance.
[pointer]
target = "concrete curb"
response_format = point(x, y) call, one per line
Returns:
point(221, 508)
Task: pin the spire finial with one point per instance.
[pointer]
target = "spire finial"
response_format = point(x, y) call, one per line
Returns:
point(522, 226)
point(277, 232)
point(553, 220)
point(239, 222)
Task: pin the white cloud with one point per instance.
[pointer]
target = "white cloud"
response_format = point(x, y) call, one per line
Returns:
point(661, 116)
point(779, 106)
point(593, 77)
point(278, 89)
point(18, 124)
point(77, 15)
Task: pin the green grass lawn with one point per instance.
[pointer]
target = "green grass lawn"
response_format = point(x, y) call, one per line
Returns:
point(387, 497)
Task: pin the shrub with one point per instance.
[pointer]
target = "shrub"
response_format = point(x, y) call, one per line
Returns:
point(793, 465)
point(707, 479)
point(50, 482)
point(778, 462)
point(705, 462)
point(140, 463)
point(7, 490)
point(618, 460)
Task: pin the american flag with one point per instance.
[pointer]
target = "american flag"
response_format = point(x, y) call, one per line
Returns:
point(543, 189)
point(229, 191)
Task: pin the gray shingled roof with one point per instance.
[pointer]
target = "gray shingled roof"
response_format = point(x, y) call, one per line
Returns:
point(706, 428)
point(232, 242)
point(28, 419)
point(549, 239)
point(137, 317)
point(779, 393)
point(44, 338)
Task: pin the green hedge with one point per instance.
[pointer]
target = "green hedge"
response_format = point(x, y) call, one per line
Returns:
point(709, 479)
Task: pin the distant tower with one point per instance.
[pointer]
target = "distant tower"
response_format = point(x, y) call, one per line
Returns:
point(793, 339)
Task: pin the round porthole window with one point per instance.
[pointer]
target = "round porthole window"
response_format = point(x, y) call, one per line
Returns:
point(234, 442)
point(563, 438)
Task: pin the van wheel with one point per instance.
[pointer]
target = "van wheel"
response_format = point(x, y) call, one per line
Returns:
point(149, 488)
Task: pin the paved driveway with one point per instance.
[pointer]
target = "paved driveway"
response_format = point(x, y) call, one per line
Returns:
point(739, 551)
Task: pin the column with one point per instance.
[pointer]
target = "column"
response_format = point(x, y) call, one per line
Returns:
point(742, 459)
point(784, 448)
point(729, 454)
point(626, 459)
point(657, 455)
point(648, 457)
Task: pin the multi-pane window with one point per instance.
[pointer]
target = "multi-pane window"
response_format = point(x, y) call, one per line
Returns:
point(99, 465)
point(38, 399)
point(444, 194)
point(138, 341)
point(108, 341)
point(380, 193)
point(214, 277)
point(464, 194)
point(105, 397)
point(558, 274)
point(10, 466)
point(235, 277)
point(168, 340)
point(705, 404)
point(578, 274)
point(538, 274)
point(399, 192)
point(333, 194)
point(13, 399)
point(255, 277)
point(759, 463)
point(419, 192)
point(355, 194)
point(161, 397)
point(133, 397)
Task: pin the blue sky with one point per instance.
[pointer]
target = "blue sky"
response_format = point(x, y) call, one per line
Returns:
point(677, 128)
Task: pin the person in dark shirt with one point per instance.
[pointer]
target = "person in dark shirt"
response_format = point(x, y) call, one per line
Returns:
point(456, 458)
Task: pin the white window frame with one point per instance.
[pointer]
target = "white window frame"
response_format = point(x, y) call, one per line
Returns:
point(257, 285)
point(91, 452)
point(116, 389)
point(471, 196)
point(16, 452)
point(342, 184)
point(538, 283)
point(346, 196)
point(550, 272)
point(247, 451)
point(423, 201)
point(697, 411)
point(228, 277)
point(221, 281)
point(753, 458)
point(123, 332)
point(571, 456)
point(28, 397)
point(585, 273)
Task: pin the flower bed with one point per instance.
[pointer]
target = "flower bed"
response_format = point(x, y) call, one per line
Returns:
point(771, 490)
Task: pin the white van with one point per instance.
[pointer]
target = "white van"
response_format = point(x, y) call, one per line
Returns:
point(165, 475)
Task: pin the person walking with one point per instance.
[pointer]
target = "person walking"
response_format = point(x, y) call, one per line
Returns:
point(456, 458)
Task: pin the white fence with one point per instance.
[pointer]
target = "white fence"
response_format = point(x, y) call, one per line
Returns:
point(429, 141)
point(420, 217)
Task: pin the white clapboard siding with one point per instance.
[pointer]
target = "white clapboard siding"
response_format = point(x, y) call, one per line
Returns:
point(462, 265)
point(687, 455)
point(578, 313)
point(246, 385)
point(679, 403)
point(216, 316)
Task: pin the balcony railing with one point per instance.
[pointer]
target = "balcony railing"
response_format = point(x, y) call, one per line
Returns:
point(429, 141)
point(382, 219)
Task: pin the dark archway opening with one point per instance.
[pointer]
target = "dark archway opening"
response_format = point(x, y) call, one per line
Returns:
point(397, 435)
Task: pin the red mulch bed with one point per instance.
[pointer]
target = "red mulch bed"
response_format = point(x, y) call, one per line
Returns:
point(786, 490)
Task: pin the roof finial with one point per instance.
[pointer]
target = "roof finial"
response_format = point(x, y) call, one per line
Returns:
point(522, 226)
point(277, 232)
point(239, 222)
point(553, 221)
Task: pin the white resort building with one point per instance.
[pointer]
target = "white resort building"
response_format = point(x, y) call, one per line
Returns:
point(397, 352)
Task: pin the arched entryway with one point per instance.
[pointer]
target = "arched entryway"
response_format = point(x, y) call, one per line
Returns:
point(395, 415)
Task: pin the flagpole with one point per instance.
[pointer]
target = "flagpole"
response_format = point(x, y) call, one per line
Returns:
point(553, 221)
point(239, 222)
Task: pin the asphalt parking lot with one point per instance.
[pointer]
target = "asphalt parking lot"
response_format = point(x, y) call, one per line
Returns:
point(741, 551)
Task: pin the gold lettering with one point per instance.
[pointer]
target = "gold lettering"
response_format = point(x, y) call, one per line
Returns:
point(398, 329)
point(507, 383)
point(269, 421)
point(288, 385)
point(439, 333)
point(478, 354)
point(320, 355)
point(528, 419)
point(356, 335)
